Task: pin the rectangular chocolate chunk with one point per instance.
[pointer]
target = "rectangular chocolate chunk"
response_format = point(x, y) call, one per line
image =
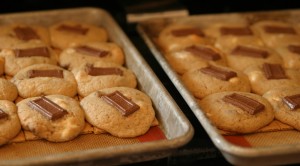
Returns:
point(47, 108)
point(245, 103)
point(204, 53)
point(25, 33)
point(250, 52)
point(278, 29)
point(91, 51)
point(98, 71)
point(294, 49)
point(274, 71)
point(187, 31)
point(293, 102)
point(3, 114)
point(236, 31)
point(218, 73)
point(30, 52)
point(74, 29)
point(121, 102)
point(45, 73)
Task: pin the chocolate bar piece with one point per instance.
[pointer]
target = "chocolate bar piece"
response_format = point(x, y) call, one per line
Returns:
point(91, 51)
point(274, 71)
point(218, 73)
point(293, 102)
point(47, 108)
point(30, 52)
point(245, 103)
point(45, 73)
point(121, 102)
point(250, 52)
point(277, 29)
point(3, 114)
point(205, 53)
point(74, 29)
point(237, 31)
point(25, 33)
point(98, 71)
point(187, 31)
point(294, 49)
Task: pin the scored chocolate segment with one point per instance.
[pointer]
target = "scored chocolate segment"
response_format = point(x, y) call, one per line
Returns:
point(293, 102)
point(218, 73)
point(25, 33)
point(274, 71)
point(47, 108)
point(121, 102)
point(250, 52)
point(237, 31)
point(203, 52)
point(45, 73)
point(278, 29)
point(187, 31)
point(91, 51)
point(3, 114)
point(30, 52)
point(245, 103)
point(294, 49)
point(74, 29)
point(98, 71)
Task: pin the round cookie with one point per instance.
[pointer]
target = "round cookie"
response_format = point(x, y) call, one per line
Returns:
point(62, 129)
point(260, 84)
point(8, 91)
point(194, 56)
point(282, 111)
point(31, 81)
point(105, 116)
point(202, 83)
point(26, 54)
point(63, 34)
point(229, 117)
point(290, 55)
point(74, 56)
point(177, 36)
point(9, 121)
point(102, 75)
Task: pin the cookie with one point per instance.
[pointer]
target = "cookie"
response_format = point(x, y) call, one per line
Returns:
point(194, 56)
point(285, 102)
point(290, 55)
point(44, 79)
point(63, 34)
point(56, 118)
point(9, 121)
point(268, 76)
point(102, 75)
point(8, 90)
point(238, 112)
point(212, 79)
point(74, 56)
point(26, 54)
point(132, 121)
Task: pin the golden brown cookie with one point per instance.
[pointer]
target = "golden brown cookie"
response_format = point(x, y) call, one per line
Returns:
point(8, 90)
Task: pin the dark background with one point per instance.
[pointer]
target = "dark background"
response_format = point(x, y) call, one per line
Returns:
point(200, 150)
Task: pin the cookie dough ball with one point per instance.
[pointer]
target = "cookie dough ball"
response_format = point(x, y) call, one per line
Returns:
point(63, 34)
point(101, 114)
point(62, 129)
point(290, 55)
point(9, 121)
point(212, 79)
point(102, 75)
point(229, 117)
point(194, 56)
point(74, 56)
point(8, 91)
point(284, 113)
point(45, 79)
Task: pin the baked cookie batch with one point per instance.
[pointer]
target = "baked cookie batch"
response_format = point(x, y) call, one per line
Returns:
point(242, 75)
point(65, 80)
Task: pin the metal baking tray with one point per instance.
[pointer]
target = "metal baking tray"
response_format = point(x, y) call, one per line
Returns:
point(264, 155)
point(173, 123)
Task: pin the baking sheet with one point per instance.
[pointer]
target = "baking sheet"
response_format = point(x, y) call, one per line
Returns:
point(173, 123)
point(278, 148)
